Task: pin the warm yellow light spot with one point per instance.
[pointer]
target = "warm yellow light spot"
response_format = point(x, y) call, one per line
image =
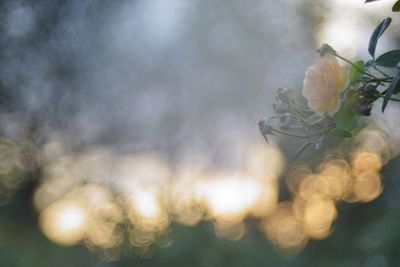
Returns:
point(102, 230)
point(299, 206)
point(267, 201)
point(337, 176)
point(142, 181)
point(146, 204)
point(284, 229)
point(230, 197)
point(366, 162)
point(367, 186)
point(295, 175)
point(140, 238)
point(265, 161)
point(70, 218)
point(319, 213)
point(103, 234)
point(146, 210)
point(64, 222)
point(374, 141)
point(313, 184)
point(184, 201)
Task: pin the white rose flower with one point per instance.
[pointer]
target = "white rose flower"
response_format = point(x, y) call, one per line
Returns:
point(324, 82)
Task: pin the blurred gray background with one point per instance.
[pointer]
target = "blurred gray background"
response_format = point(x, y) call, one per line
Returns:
point(171, 75)
point(180, 77)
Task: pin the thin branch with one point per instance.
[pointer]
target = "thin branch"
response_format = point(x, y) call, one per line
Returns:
point(392, 99)
point(354, 66)
point(381, 72)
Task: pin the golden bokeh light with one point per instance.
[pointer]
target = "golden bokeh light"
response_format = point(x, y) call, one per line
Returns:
point(146, 204)
point(230, 197)
point(64, 222)
point(185, 201)
point(105, 215)
point(140, 238)
point(313, 185)
point(295, 175)
point(265, 161)
point(104, 234)
point(146, 211)
point(367, 186)
point(149, 195)
point(284, 228)
point(93, 195)
point(366, 162)
point(221, 195)
point(337, 176)
point(376, 141)
point(319, 214)
point(267, 201)
point(101, 216)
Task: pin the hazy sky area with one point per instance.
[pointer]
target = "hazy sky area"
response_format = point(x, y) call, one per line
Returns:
point(174, 76)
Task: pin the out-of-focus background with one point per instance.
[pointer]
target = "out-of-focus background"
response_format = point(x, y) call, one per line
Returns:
point(129, 134)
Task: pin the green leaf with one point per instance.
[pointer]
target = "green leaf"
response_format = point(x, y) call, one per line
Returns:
point(373, 41)
point(341, 133)
point(394, 88)
point(389, 59)
point(396, 7)
point(355, 73)
point(344, 117)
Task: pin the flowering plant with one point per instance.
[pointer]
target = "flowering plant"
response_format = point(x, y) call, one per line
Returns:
point(334, 97)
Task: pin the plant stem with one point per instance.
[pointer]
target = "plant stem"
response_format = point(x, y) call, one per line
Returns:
point(392, 99)
point(386, 79)
point(265, 137)
point(381, 72)
point(354, 66)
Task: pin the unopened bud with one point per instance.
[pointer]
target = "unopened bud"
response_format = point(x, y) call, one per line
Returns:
point(326, 49)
